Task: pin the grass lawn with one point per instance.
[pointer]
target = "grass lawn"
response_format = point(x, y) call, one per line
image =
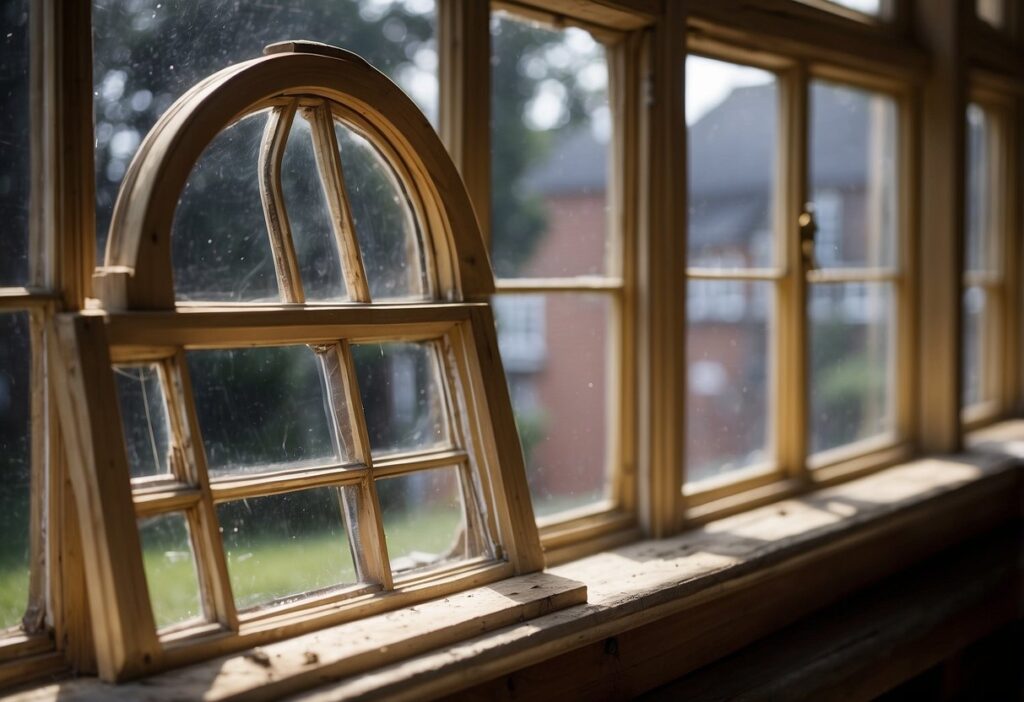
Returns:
point(272, 568)
point(276, 568)
point(13, 592)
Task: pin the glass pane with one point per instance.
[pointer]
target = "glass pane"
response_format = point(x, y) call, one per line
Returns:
point(15, 466)
point(728, 408)
point(315, 246)
point(852, 363)
point(403, 396)
point(550, 127)
point(148, 52)
point(992, 12)
point(389, 238)
point(220, 247)
point(854, 180)
point(147, 431)
point(732, 122)
point(285, 545)
point(14, 144)
point(425, 519)
point(977, 348)
point(261, 409)
point(170, 569)
point(982, 232)
point(556, 349)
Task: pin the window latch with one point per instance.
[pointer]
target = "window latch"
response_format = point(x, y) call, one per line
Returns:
point(808, 231)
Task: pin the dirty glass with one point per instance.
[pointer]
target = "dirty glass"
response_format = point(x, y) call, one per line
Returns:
point(282, 546)
point(171, 571)
point(14, 146)
point(147, 53)
point(403, 396)
point(424, 519)
point(387, 232)
point(262, 409)
point(220, 249)
point(144, 418)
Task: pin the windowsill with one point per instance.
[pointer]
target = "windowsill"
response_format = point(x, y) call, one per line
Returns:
point(716, 588)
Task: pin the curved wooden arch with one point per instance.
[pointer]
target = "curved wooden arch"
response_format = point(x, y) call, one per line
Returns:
point(137, 273)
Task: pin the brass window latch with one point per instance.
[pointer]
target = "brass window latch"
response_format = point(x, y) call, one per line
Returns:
point(808, 231)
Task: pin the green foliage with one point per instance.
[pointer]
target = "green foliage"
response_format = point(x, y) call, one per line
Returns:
point(518, 65)
point(533, 427)
point(845, 380)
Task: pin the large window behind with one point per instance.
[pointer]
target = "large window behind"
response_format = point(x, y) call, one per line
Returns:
point(555, 255)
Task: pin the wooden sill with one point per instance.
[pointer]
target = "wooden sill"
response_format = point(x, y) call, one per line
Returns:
point(655, 609)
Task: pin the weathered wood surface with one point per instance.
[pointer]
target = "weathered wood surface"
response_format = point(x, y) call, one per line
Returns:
point(704, 592)
point(271, 671)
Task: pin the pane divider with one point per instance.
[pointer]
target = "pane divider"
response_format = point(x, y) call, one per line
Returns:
point(151, 502)
point(369, 528)
point(272, 147)
point(211, 561)
point(328, 161)
point(240, 487)
point(400, 465)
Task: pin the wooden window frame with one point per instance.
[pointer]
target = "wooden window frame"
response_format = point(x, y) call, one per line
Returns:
point(612, 519)
point(60, 229)
point(139, 321)
point(796, 469)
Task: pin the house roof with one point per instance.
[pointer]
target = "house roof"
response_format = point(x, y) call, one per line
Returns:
point(732, 146)
point(578, 164)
